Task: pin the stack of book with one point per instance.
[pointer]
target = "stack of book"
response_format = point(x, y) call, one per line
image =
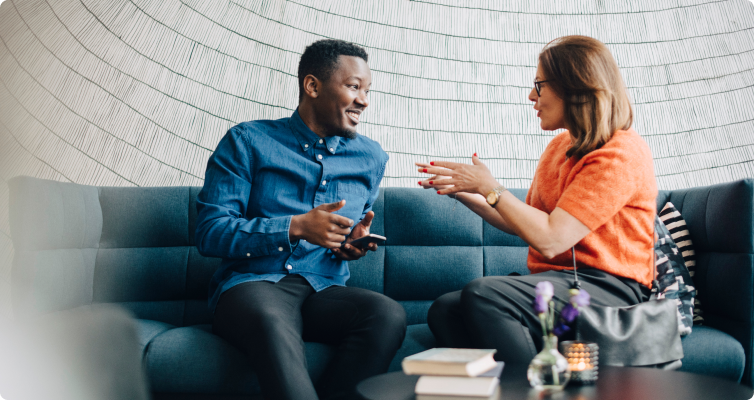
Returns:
point(455, 374)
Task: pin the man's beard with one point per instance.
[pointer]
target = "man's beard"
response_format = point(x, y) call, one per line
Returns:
point(345, 133)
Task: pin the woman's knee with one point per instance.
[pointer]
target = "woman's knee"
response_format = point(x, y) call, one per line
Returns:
point(483, 289)
point(444, 308)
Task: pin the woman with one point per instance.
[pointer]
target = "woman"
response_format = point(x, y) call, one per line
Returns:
point(594, 189)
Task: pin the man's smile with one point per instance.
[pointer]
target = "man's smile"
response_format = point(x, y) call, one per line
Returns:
point(353, 115)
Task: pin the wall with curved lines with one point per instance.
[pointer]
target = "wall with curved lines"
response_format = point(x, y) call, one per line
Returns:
point(139, 92)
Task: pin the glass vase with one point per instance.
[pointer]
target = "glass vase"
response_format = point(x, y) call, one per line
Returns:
point(549, 371)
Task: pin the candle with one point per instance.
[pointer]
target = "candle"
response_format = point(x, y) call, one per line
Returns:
point(583, 360)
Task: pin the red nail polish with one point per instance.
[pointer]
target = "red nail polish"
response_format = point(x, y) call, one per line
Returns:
point(431, 163)
point(438, 192)
point(425, 170)
point(430, 182)
point(475, 155)
point(420, 182)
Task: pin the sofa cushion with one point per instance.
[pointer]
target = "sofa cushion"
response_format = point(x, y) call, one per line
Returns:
point(505, 260)
point(672, 277)
point(428, 272)
point(711, 352)
point(416, 310)
point(52, 280)
point(146, 330)
point(193, 360)
point(147, 217)
point(51, 215)
point(416, 217)
point(679, 231)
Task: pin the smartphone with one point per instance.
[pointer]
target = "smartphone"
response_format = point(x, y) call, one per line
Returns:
point(363, 242)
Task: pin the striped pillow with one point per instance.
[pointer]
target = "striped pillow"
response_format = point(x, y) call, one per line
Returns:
point(682, 238)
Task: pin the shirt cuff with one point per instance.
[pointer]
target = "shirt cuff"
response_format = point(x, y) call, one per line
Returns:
point(291, 245)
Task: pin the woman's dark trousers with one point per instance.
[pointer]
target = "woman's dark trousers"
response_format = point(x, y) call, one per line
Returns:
point(496, 312)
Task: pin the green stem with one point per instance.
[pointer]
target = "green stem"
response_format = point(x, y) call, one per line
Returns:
point(542, 318)
point(555, 377)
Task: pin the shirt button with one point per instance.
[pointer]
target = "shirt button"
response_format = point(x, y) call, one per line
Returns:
point(331, 149)
point(319, 156)
point(290, 267)
point(248, 254)
point(280, 249)
point(320, 140)
point(306, 145)
point(324, 182)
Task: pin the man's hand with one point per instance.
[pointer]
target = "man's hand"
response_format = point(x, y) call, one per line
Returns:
point(321, 227)
point(349, 252)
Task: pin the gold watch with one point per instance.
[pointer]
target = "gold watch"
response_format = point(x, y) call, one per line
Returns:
point(494, 195)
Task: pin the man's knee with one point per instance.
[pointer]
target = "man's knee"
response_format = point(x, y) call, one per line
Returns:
point(391, 314)
point(386, 316)
point(261, 322)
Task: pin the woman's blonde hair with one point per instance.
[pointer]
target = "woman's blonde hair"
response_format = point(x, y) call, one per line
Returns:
point(584, 74)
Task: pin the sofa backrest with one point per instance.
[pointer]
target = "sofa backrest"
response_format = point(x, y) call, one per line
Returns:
point(720, 219)
point(434, 246)
point(78, 245)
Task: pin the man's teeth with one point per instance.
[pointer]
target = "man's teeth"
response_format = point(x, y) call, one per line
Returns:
point(353, 115)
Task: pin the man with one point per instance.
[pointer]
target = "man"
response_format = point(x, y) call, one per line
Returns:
point(278, 206)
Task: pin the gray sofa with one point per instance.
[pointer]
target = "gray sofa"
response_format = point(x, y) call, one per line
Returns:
point(81, 245)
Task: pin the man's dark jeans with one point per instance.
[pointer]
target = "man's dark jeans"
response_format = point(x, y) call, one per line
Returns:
point(270, 322)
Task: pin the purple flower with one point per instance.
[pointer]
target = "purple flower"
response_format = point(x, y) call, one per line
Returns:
point(581, 299)
point(545, 290)
point(561, 329)
point(569, 313)
point(540, 304)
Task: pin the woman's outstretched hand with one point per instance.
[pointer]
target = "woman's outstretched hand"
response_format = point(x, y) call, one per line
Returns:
point(450, 177)
point(435, 182)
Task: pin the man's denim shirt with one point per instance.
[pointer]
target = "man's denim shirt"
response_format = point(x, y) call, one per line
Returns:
point(261, 174)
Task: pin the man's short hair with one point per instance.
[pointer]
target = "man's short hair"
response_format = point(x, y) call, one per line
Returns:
point(321, 58)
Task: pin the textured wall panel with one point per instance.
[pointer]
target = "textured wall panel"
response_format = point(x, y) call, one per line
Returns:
point(139, 92)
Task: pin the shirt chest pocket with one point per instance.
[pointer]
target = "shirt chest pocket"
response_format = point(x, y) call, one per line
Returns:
point(355, 195)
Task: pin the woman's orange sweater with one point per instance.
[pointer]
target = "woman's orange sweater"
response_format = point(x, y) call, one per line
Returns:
point(612, 191)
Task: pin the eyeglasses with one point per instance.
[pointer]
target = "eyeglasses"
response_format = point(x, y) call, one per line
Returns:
point(538, 86)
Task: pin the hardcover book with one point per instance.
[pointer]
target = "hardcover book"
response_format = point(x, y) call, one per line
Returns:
point(478, 387)
point(453, 362)
point(495, 396)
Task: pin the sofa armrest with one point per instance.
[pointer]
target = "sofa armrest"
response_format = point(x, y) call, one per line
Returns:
point(720, 219)
point(56, 229)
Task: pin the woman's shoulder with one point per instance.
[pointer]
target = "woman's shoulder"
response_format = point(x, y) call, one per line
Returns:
point(628, 139)
point(626, 144)
point(560, 143)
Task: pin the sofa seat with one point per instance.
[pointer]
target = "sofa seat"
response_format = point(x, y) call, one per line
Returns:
point(712, 352)
point(193, 360)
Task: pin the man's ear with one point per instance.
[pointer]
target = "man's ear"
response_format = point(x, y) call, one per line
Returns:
point(311, 86)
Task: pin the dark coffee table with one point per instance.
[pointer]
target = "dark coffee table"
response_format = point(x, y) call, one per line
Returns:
point(615, 383)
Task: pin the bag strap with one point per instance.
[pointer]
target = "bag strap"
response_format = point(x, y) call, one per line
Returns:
point(576, 283)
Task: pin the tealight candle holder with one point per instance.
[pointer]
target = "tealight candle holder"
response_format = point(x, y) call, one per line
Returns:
point(583, 360)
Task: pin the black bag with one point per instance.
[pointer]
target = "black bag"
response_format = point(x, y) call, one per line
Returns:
point(642, 335)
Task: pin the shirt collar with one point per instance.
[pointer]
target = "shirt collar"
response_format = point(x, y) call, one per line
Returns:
point(307, 138)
